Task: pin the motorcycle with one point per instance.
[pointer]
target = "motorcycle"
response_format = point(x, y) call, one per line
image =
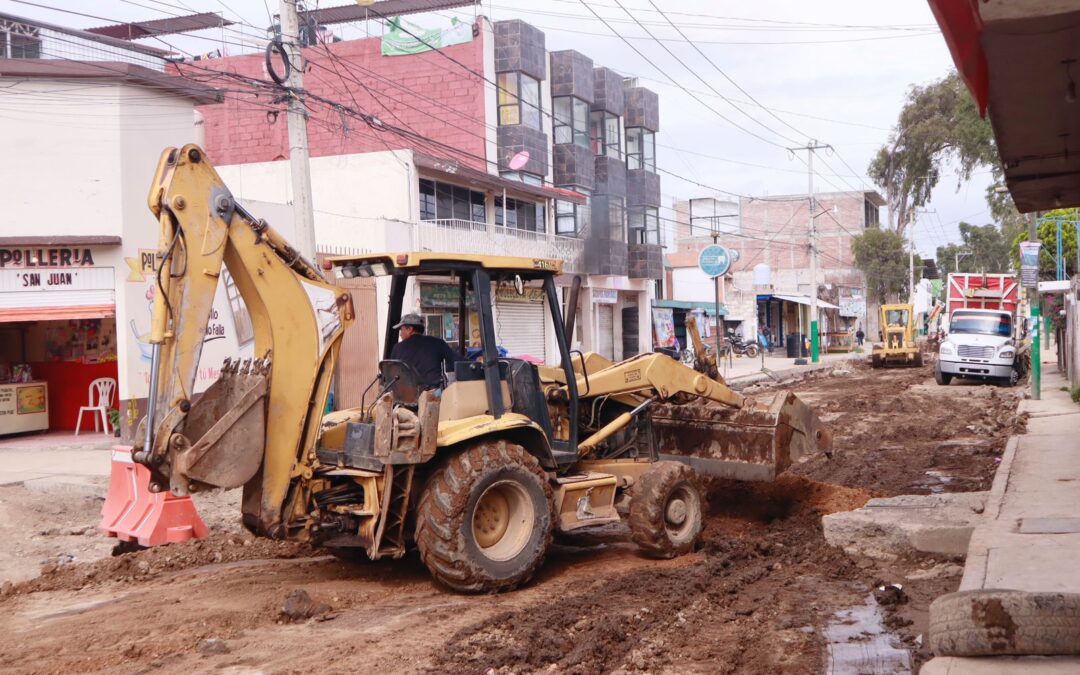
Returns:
point(736, 345)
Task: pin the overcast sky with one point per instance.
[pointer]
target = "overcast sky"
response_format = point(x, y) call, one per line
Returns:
point(836, 71)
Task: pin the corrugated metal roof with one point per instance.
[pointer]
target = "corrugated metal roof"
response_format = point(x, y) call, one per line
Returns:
point(354, 12)
point(170, 26)
point(110, 70)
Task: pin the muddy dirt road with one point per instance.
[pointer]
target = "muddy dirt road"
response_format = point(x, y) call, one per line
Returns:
point(761, 595)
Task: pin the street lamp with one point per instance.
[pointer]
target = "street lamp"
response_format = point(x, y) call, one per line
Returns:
point(956, 260)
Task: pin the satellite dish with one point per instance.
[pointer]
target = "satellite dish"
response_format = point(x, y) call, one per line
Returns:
point(519, 160)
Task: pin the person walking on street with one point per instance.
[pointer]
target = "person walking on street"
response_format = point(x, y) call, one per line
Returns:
point(859, 335)
point(429, 356)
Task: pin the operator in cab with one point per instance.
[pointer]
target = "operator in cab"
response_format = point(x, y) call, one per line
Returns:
point(429, 356)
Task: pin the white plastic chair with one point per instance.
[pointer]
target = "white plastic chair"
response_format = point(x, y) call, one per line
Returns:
point(103, 387)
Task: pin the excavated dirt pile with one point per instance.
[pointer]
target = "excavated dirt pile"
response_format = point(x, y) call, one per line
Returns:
point(758, 596)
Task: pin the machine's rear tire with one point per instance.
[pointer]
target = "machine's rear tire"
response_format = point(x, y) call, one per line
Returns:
point(875, 360)
point(484, 520)
point(942, 378)
point(666, 510)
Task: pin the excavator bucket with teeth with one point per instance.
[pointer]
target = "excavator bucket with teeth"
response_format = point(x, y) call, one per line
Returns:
point(753, 443)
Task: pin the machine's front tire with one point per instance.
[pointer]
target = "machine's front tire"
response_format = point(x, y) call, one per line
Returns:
point(991, 622)
point(484, 520)
point(666, 510)
point(942, 378)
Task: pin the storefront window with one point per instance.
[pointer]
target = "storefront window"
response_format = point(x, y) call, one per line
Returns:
point(571, 121)
point(640, 149)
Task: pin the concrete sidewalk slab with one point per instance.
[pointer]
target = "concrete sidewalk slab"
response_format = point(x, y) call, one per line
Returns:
point(1029, 538)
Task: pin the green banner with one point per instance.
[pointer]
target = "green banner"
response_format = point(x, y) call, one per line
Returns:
point(406, 38)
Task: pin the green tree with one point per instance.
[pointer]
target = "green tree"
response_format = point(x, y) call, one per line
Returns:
point(1047, 233)
point(883, 257)
point(938, 123)
point(982, 249)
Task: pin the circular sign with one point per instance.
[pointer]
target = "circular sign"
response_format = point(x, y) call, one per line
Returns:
point(714, 260)
point(519, 160)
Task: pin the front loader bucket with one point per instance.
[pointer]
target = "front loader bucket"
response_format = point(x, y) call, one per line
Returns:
point(226, 428)
point(753, 443)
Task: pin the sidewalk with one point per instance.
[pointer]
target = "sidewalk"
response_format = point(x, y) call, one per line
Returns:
point(1029, 537)
point(55, 457)
point(743, 370)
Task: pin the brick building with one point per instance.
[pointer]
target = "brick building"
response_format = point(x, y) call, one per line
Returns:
point(769, 284)
point(508, 149)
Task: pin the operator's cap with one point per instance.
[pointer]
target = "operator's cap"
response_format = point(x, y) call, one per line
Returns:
point(411, 319)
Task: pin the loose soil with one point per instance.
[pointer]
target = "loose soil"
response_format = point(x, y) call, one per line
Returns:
point(755, 597)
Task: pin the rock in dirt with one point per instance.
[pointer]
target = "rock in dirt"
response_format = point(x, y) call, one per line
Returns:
point(300, 607)
point(213, 646)
point(890, 595)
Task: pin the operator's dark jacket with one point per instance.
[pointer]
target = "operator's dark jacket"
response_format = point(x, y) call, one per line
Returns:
point(428, 355)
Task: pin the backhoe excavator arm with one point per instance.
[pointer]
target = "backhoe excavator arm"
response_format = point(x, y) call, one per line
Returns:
point(257, 424)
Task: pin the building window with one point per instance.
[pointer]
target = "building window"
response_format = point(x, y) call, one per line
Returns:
point(519, 100)
point(643, 223)
point(570, 218)
point(571, 121)
point(20, 41)
point(871, 214)
point(605, 134)
point(443, 201)
point(640, 149)
point(523, 177)
point(617, 219)
point(519, 215)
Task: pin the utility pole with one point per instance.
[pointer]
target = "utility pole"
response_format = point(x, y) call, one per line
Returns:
point(810, 148)
point(1036, 310)
point(303, 212)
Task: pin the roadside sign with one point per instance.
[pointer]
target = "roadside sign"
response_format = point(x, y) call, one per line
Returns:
point(714, 260)
point(1029, 263)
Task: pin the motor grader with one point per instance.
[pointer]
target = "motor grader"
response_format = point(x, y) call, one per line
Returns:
point(897, 347)
point(476, 474)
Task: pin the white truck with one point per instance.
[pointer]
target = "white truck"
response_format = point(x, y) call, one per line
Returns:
point(983, 340)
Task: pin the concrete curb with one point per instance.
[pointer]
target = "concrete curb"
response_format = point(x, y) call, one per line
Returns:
point(740, 381)
point(978, 555)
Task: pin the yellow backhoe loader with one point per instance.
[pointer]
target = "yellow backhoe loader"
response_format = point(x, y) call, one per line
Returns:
point(897, 347)
point(476, 474)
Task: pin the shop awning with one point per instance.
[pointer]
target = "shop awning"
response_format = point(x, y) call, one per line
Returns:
point(10, 315)
point(805, 300)
point(709, 307)
point(1018, 60)
point(458, 173)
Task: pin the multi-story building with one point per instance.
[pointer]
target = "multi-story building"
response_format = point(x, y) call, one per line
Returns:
point(769, 284)
point(86, 118)
point(492, 145)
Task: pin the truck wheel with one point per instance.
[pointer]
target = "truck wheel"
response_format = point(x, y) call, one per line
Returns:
point(665, 510)
point(942, 378)
point(992, 622)
point(484, 521)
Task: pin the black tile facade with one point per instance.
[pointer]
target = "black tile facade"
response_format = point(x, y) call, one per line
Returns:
point(516, 138)
point(642, 188)
point(610, 176)
point(519, 46)
point(605, 244)
point(645, 261)
point(609, 94)
point(572, 75)
point(642, 108)
point(573, 165)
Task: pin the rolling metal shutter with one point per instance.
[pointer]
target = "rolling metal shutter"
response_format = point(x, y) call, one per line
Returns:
point(519, 328)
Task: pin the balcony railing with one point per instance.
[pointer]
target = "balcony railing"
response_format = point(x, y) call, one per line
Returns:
point(467, 236)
